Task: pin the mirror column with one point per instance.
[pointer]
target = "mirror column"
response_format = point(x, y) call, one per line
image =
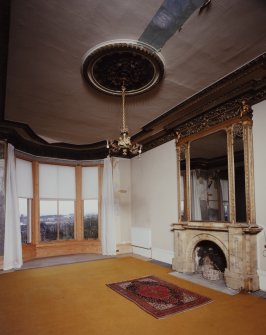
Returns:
point(231, 174)
point(178, 162)
point(249, 172)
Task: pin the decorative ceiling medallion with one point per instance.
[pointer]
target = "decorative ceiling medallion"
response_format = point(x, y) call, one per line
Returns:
point(113, 64)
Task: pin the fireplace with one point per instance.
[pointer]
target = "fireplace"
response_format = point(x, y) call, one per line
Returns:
point(210, 260)
point(231, 250)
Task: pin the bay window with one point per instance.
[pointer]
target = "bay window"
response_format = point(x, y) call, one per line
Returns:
point(58, 204)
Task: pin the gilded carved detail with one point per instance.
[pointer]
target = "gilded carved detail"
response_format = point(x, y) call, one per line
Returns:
point(213, 118)
point(238, 131)
point(245, 108)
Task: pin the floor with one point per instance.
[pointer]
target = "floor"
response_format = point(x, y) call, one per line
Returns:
point(74, 299)
point(60, 260)
point(79, 258)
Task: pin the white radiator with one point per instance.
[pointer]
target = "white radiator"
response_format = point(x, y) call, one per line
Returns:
point(141, 241)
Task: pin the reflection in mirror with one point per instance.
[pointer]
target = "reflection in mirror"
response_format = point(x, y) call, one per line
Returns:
point(240, 195)
point(2, 197)
point(182, 183)
point(209, 178)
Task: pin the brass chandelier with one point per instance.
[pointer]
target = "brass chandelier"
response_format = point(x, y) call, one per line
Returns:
point(123, 145)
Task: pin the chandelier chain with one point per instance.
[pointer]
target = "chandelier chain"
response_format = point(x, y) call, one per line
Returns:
point(123, 145)
point(123, 108)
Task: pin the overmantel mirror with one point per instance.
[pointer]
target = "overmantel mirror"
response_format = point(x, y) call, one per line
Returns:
point(215, 172)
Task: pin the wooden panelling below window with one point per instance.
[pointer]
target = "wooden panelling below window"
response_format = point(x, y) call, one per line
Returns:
point(47, 249)
point(28, 252)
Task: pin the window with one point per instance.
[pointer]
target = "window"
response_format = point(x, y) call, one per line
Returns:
point(56, 220)
point(66, 219)
point(90, 219)
point(90, 202)
point(25, 219)
point(57, 202)
point(25, 194)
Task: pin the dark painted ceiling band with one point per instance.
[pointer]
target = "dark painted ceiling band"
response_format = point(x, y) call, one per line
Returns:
point(4, 39)
point(169, 18)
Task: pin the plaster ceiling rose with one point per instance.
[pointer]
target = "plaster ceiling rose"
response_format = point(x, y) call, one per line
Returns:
point(112, 64)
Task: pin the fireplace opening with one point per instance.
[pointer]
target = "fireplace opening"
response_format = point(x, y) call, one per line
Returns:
point(210, 260)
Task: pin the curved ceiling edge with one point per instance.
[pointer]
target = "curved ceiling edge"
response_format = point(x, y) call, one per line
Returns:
point(23, 138)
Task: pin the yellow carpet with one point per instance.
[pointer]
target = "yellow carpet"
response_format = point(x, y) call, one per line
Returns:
point(73, 299)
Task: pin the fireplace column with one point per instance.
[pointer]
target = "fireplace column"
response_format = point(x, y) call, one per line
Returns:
point(180, 261)
point(241, 272)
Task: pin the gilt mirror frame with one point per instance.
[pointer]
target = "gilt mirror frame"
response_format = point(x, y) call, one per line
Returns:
point(237, 123)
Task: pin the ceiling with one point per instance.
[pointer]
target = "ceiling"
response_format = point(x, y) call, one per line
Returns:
point(48, 39)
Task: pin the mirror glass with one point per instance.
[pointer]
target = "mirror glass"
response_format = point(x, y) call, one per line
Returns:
point(240, 194)
point(2, 197)
point(182, 183)
point(209, 178)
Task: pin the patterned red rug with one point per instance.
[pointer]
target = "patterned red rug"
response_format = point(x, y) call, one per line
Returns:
point(158, 297)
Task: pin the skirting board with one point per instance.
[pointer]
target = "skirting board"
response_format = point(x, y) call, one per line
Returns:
point(142, 251)
point(123, 248)
point(262, 279)
point(162, 255)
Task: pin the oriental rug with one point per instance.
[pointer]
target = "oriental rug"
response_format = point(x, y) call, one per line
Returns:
point(158, 297)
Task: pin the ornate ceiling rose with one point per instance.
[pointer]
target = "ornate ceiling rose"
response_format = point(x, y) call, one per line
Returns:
point(113, 64)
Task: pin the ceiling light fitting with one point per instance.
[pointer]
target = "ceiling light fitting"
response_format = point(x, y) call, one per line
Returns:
point(135, 66)
point(123, 145)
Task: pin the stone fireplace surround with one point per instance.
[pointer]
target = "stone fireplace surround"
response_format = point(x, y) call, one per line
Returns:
point(237, 241)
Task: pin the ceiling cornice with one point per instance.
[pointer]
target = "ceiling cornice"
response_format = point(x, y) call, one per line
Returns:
point(223, 97)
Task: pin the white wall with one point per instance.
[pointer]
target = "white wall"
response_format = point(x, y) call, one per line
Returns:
point(154, 197)
point(122, 189)
point(259, 146)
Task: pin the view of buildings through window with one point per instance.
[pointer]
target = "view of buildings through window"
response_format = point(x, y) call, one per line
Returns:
point(56, 220)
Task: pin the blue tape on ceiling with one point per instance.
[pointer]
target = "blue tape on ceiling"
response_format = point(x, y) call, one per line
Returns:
point(169, 18)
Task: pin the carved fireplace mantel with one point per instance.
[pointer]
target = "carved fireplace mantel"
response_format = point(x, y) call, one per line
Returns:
point(237, 242)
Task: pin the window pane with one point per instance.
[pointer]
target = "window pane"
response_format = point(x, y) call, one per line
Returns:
point(90, 183)
point(24, 216)
point(48, 220)
point(2, 198)
point(57, 182)
point(24, 178)
point(66, 220)
point(90, 219)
